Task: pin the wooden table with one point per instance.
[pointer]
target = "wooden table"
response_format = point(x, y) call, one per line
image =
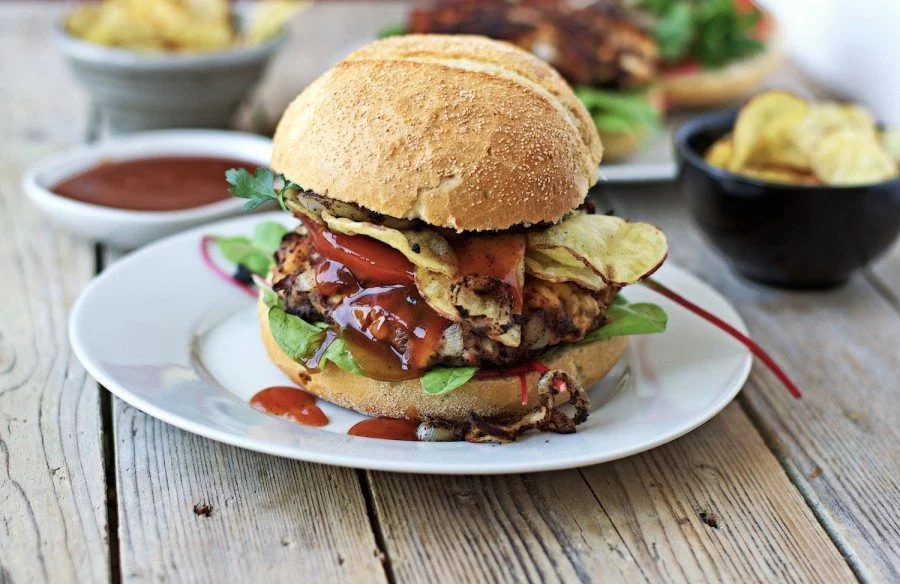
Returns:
point(93, 490)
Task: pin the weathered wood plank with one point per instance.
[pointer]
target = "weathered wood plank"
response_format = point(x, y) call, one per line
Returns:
point(190, 509)
point(884, 275)
point(52, 491)
point(839, 444)
point(194, 510)
point(712, 506)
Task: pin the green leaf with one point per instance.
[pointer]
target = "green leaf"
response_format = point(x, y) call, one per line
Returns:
point(240, 250)
point(441, 380)
point(712, 32)
point(674, 31)
point(611, 123)
point(270, 298)
point(268, 234)
point(296, 337)
point(256, 188)
point(641, 318)
point(255, 254)
point(629, 107)
point(397, 29)
point(339, 353)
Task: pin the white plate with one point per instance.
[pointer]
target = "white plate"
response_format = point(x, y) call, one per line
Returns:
point(655, 161)
point(166, 335)
point(127, 229)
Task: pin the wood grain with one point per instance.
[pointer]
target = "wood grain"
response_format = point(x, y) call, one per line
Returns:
point(191, 509)
point(52, 491)
point(194, 510)
point(884, 275)
point(839, 444)
point(712, 506)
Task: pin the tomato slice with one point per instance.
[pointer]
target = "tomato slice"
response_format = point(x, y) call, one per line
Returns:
point(368, 259)
point(500, 256)
point(686, 66)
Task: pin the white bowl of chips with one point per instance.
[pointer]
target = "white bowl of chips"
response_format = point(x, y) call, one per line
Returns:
point(161, 64)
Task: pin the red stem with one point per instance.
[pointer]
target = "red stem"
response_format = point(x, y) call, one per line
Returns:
point(205, 242)
point(744, 339)
point(526, 367)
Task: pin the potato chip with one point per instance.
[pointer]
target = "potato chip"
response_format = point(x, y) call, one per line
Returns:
point(764, 130)
point(847, 157)
point(269, 18)
point(455, 300)
point(890, 142)
point(175, 25)
point(617, 251)
point(546, 268)
point(824, 118)
point(422, 247)
point(719, 154)
point(776, 174)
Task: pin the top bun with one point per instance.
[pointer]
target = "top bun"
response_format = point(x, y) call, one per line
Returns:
point(459, 131)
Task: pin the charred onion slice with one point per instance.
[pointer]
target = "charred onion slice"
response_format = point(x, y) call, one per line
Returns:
point(543, 417)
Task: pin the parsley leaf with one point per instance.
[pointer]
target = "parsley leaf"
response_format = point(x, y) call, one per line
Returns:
point(258, 188)
point(441, 380)
point(641, 318)
point(296, 337)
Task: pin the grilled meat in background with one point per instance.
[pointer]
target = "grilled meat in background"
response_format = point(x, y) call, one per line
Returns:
point(598, 44)
point(602, 48)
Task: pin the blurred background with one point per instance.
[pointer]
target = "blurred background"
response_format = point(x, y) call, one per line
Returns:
point(642, 68)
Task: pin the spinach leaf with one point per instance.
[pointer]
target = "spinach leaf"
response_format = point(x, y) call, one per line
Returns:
point(339, 353)
point(641, 318)
point(296, 337)
point(441, 380)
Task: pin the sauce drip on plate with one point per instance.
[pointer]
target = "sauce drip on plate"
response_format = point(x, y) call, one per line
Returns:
point(386, 428)
point(291, 404)
point(164, 183)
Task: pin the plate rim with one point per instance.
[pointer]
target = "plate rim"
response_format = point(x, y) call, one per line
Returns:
point(341, 459)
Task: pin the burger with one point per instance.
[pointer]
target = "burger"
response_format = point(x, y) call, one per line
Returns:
point(601, 48)
point(447, 266)
point(712, 52)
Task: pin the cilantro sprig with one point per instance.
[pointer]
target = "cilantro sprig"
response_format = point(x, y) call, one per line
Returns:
point(258, 188)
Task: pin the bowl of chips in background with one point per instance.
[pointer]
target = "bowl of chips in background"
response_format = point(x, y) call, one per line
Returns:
point(152, 64)
point(792, 194)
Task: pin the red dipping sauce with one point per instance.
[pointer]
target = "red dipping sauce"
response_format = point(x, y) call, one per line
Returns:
point(386, 429)
point(165, 183)
point(291, 404)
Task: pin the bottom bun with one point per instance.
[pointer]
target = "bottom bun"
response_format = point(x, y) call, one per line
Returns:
point(489, 398)
point(721, 86)
point(619, 145)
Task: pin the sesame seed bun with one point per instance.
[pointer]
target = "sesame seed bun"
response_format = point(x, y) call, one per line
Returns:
point(461, 132)
point(490, 398)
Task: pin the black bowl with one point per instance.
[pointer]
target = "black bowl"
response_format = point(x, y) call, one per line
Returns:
point(791, 236)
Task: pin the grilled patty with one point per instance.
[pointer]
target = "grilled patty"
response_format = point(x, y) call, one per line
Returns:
point(595, 44)
point(552, 313)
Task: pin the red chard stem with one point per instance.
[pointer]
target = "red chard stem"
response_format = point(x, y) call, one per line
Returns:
point(744, 339)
